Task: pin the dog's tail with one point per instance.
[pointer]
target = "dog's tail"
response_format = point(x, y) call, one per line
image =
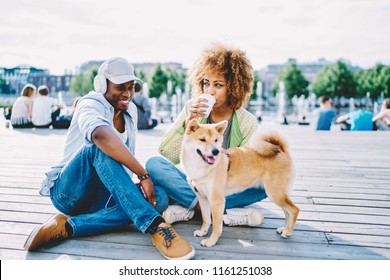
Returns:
point(269, 144)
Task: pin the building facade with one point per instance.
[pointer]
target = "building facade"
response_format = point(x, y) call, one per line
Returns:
point(15, 78)
point(269, 74)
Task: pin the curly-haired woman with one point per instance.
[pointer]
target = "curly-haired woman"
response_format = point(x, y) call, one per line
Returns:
point(227, 74)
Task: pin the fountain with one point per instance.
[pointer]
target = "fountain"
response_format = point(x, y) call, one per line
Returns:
point(282, 103)
point(351, 104)
point(368, 101)
point(145, 89)
point(259, 99)
point(179, 99)
point(169, 87)
point(376, 108)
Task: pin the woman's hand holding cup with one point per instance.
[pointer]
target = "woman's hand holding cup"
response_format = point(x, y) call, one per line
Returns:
point(202, 106)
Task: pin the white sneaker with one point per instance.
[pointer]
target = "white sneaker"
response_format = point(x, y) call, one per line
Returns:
point(177, 213)
point(249, 216)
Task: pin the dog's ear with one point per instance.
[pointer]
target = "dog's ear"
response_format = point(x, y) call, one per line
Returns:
point(221, 127)
point(192, 126)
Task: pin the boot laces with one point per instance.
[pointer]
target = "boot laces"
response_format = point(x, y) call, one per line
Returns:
point(168, 234)
point(57, 238)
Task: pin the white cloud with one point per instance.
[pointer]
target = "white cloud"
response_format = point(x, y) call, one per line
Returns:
point(62, 34)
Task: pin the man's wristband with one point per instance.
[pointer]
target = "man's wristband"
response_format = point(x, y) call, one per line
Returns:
point(144, 177)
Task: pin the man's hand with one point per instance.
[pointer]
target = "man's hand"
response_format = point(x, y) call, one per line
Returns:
point(148, 190)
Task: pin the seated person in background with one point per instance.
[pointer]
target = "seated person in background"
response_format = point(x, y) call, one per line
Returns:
point(323, 116)
point(64, 121)
point(382, 119)
point(45, 110)
point(144, 109)
point(8, 113)
point(22, 108)
point(356, 120)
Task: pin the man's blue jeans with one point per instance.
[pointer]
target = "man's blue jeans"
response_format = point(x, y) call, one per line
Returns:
point(98, 194)
point(164, 174)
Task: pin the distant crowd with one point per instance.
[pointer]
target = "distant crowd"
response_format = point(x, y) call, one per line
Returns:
point(360, 119)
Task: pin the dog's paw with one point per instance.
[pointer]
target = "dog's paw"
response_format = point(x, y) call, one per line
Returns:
point(200, 233)
point(283, 232)
point(208, 242)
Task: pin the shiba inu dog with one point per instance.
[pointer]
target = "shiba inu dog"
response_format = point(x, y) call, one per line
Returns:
point(213, 173)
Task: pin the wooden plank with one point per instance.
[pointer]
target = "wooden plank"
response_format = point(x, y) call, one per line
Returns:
point(341, 189)
point(357, 239)
point(329, 208)
point(24, 217)
point(344, 195)
point(332, 227)
point(9, 254)
point(18, 191)
point(16, 228)
point(27, 207)
point(25, 198)
point(352, 202)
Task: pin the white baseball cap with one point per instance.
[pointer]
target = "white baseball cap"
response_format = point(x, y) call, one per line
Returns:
point(118, 70)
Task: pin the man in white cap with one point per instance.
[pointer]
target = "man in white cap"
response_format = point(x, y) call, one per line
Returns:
point(92, 185)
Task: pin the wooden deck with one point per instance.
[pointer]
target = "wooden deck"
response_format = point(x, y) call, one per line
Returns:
point(342, 188)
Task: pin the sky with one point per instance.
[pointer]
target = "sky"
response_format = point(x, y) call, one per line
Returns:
point(62, 34)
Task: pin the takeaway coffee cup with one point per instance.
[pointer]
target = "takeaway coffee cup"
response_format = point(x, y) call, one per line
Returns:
point(210, 102)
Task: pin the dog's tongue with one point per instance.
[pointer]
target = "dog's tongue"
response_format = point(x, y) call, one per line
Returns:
point(210, 160)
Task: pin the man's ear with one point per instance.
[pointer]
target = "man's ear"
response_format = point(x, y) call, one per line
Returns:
point(192, 126)
point(221, 127)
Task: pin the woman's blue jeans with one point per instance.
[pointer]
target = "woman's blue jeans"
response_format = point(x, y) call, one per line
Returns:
point(165, 175)
point(98, 195)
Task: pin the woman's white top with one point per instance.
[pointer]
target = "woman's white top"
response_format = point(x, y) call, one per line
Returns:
point(19, 109)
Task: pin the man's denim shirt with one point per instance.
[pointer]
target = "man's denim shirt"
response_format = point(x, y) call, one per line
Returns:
point(92, 111)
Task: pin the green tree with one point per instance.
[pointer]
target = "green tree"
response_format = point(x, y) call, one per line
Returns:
point(375, 80)
point(141, 74)
point(4, 88)
point(178, 80)
point(294, 81)
point(365, 82)
point(256, 79)
point(335, 80)
point(159, 82)
point(383, 81)
point(83, 83)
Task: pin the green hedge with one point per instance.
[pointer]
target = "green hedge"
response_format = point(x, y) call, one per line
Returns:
point(4, 106)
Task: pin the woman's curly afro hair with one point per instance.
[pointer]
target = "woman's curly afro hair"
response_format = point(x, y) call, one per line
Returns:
point(233, 64)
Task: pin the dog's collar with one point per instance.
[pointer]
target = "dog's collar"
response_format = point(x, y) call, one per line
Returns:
point(226, 152)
